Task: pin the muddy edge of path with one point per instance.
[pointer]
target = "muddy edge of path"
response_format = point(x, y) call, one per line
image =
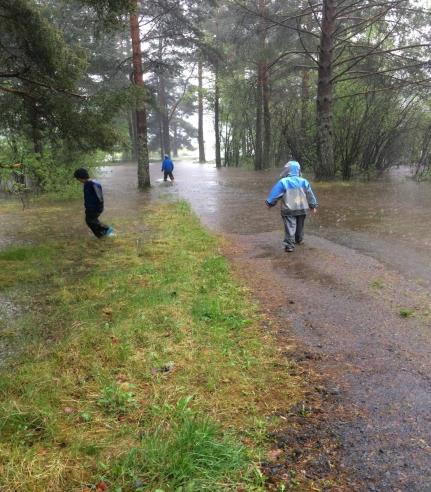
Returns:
point(340, 311)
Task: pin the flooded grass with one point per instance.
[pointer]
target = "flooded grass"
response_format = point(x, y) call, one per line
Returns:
point(141, 368)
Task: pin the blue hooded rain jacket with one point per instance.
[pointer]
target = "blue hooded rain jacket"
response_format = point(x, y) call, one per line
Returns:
point(167, 165)
point(295, 192)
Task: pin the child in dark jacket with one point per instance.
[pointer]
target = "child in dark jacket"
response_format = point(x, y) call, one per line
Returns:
point(93, 203)
point(297, 198)
point(167, 168)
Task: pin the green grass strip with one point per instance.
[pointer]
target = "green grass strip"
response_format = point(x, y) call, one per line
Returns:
point(140, 363)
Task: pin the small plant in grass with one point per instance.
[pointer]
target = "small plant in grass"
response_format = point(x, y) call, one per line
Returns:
point(85, 417)
point(116, 400)
point(23, 425)
point(187, 452)
point(377, 284)
point(406, 312)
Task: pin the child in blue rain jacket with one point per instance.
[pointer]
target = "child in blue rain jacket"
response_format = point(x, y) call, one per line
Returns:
point(297, 198)
point(167, 168)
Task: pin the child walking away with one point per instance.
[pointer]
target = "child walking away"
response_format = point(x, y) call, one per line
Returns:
point(297, 199)
point(93, 203)
point(167, 168)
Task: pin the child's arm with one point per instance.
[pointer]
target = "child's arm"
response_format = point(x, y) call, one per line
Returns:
point(276, 193)
point(99, 193)
point(311, 197)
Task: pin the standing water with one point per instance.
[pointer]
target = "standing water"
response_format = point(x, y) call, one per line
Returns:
point(388, 218)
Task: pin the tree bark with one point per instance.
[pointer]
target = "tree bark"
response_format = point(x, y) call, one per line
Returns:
point(166, 138)
point(175, 142)
point(305, 97)
point(325, 147)
point(201, 141)
point(165, 117)
point(266, 116)
point(141, 113)
point(258, 134)
point(162, 145)
point(217, 118)
point(262, 136)
point(131, 118)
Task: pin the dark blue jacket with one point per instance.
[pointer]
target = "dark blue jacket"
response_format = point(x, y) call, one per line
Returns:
point(93, 196)
point(167, 165)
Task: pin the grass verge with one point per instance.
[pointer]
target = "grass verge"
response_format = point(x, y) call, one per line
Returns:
point(142, 365)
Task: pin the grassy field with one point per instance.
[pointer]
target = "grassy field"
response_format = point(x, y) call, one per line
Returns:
point(140, 364)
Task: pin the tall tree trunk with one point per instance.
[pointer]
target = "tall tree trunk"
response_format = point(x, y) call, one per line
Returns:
point(258, 133)
point(165, 116)
point(266, 94)
point(325, 148)
point(131, 117)
point(201, 115)
point(162, 145)
point(175, 142)
point(266, 116)
point(305, 97)
point(141, 113)
point(217, 117)
point(166, 144)
point(263, 137)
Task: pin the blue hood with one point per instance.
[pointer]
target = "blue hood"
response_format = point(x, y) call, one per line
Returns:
point(292, 168)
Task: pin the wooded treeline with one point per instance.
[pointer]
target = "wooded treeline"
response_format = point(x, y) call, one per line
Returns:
point(340, 85)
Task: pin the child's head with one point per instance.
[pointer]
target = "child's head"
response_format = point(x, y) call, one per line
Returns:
point(293, 168)
point(81, 174)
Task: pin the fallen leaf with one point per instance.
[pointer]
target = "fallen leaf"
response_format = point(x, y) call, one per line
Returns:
point(273, 454)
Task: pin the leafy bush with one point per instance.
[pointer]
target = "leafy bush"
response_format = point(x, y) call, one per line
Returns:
point(52, 172)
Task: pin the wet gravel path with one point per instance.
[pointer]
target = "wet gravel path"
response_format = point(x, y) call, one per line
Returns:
point(376, 362)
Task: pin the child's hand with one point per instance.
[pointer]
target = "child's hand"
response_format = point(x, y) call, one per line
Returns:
point(314, 210)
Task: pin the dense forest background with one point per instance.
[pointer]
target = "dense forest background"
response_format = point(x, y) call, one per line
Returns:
point(340, 85)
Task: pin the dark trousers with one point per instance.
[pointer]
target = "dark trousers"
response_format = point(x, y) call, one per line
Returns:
point(294, 229)
point(93, 222)
point(166, 174)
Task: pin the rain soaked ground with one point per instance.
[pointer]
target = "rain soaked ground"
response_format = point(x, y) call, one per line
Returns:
point(339, 296)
